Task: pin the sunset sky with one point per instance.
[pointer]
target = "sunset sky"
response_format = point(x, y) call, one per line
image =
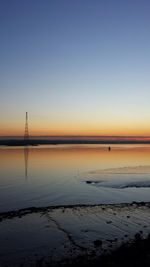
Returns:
point(79, 67)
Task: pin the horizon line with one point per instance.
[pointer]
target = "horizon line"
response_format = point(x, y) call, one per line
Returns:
point(67, 135)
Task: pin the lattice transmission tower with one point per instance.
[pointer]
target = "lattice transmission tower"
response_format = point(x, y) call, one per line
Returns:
point(26, 133)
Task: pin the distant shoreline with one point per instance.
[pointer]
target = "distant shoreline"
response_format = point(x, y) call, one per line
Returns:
point(36, 142)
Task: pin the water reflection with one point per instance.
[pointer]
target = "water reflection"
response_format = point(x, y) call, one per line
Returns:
point(58, 174)
point(26, 157)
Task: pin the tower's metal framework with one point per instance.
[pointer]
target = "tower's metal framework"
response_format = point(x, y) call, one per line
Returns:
point(26, 133)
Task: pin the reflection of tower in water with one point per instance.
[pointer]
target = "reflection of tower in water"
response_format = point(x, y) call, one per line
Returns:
point(26, 157)
point(26, 148)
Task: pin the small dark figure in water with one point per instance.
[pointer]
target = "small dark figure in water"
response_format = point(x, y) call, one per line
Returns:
point(109, 148)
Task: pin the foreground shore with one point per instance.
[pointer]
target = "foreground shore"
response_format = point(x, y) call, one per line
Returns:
point(75, 235)
point(135, 254)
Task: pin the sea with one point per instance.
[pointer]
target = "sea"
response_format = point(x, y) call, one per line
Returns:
point(66, 174)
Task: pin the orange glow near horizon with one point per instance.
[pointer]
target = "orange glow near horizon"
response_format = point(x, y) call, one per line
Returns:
point(76, 132)
point(101, 158)
point(87, 127)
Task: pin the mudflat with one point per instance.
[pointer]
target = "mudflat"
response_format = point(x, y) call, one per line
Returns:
point(53, 236)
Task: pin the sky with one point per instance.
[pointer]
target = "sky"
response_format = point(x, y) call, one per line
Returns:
point(77, 67)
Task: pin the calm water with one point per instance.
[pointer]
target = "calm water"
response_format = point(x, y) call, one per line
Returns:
point(63, 174)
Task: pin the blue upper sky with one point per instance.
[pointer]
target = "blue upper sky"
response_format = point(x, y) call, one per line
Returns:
point(76, 66)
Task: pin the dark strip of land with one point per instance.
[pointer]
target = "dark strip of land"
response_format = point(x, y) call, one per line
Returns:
point(36, 142)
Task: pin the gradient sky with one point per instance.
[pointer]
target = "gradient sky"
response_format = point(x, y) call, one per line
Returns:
point(77, 67)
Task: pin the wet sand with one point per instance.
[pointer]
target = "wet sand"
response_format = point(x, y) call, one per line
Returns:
point(81, 233)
